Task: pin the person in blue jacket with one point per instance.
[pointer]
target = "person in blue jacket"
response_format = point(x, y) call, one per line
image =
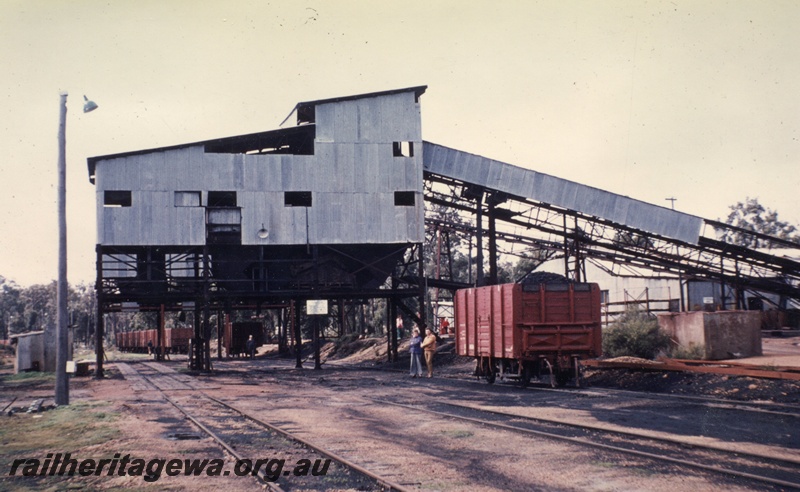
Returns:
point(416, 351)
point(250, 346)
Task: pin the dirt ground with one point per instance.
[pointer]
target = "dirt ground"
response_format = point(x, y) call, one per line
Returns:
point(112, 416)
point(777, 352)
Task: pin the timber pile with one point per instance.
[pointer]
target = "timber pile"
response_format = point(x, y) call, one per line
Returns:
point(703, 366)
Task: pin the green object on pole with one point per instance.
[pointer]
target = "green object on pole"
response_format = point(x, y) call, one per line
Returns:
point(88, 106)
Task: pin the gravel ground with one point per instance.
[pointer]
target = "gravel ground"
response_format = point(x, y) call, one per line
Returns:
point(698, 384)
point(777, 352)
point(333, 408)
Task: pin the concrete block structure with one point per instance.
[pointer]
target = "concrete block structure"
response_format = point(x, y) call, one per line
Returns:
point(721, 335)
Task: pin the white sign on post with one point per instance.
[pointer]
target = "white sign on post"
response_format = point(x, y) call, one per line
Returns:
point(317, 306)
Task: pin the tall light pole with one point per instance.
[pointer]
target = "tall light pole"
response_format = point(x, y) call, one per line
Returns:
point(62, 334)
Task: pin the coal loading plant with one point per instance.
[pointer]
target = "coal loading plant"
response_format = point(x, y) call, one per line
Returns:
point(332, 210)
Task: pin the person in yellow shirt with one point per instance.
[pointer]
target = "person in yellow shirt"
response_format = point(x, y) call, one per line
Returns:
point(429, 348)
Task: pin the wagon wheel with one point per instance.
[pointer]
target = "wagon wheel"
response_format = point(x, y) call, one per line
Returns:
point(478, 369)
point(562, 377)
point(524, 376)
point(551, 370)
point(488, 371)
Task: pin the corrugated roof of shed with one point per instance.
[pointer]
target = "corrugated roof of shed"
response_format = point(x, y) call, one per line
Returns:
point(232, 144)
point(305, 110)
point(305, 115)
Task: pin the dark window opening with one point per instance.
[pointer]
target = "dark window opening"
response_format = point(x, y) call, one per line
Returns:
point(187, 198)
point(297, 140)
point(403, 149)
point(117, 199)
point(221, 198)
point(223, 225)
point(404, 198)
point(224, 235)
point(297, 199)
point(306, 114)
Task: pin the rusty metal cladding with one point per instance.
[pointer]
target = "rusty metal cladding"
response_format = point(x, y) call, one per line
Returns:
point(527, 322)
point(525, 183)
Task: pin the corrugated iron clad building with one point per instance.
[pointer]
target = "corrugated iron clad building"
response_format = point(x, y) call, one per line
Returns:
point(348, 178)
point(326, 209)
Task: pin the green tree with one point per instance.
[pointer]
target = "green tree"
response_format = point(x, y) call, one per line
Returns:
point(82, 309)
point(39, 306)
point(11, 308)
point(530, 259)
point(752, 216)
point(34, 308)
point(636, 334)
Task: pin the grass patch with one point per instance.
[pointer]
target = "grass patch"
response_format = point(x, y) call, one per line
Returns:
point(129, 356)
point(112, 354)
point(692, 352)
point(67, 429)
point(457, 434)
point(64, 429)
point(32, 378)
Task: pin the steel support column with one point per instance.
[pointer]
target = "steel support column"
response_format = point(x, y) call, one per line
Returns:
point(317, 363)
point(390, 325)
point(160, 334)
point(197, 346)
point(423, 289)
point(98, 330)
point(479, 281)
point(220, 330)
point(298, 342)
point(492, 243)
point(392, 335)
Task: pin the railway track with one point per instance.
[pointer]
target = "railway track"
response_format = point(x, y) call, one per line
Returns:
point(762, 407)
point(276, 458)
point(752, 467)
point(758, 467)
point(765, 407)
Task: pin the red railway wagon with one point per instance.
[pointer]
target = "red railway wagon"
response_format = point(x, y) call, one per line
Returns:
point(122, 341)
point(177, 339)
point(151, 336)
point(520, 331)
point(237, 333)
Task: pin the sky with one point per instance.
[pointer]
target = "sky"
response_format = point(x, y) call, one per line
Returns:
point(696, 100)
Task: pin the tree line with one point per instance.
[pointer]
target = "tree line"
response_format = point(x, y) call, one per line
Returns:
point(26, 309)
